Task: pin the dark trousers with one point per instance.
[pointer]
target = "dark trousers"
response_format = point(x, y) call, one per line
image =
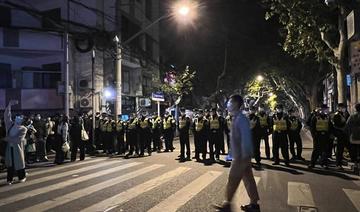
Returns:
point(60, 155)
point(169, 136)
point(342, 142)
point(133, 143)
point(75, 145)
point(40, 148)
point(199, 140)
point(222, 142)
point(280, 141)
point(11, 170)
point(256, 145)
point(295, 138)
point(214, 139)
point(320, 148)
point(121, 149)
point(228, 141)
point(264, 136)
point(109, 142)
point(184, 143)
point(145, 141)
point(97, 138)
point(156, 140)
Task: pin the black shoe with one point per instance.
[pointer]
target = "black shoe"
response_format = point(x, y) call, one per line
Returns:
point(226, 207)
point(311, 166)
point(275, 163)
point(293, 158)
point(301, 158)
point(166, 150)
point(251, 208)
point(287, 164)
point(188, 158)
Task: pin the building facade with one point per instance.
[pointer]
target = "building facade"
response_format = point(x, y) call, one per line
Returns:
point(32, 52)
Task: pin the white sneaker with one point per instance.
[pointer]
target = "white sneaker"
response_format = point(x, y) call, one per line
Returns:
point(9, 182)
point(22, 180)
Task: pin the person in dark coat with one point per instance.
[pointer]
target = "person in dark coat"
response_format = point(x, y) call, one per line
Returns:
point(61, 138)
point(75, 137)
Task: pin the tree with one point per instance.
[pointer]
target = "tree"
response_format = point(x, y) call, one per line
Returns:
point(315, 30)
point(182, 86)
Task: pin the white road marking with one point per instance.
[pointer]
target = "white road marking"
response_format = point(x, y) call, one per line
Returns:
point(354, 196)
point(182, 196)
point(131, 193)
point(64, 184)
point(61, 200)
point(299, 194)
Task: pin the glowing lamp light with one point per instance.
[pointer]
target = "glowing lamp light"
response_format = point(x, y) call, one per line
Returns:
point(184, 10)
point(108, 93)
point(260, 78)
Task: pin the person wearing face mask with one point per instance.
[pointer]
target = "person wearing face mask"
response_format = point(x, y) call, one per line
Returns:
point(280, 124)
point(145, 134)
point(255, 129)
point(216, 129)
point(321, 127)
point(168, 129)
point(242, 150)
point(131, 136)
point(14, 153)
point(40, 138)
point(339, 123)
point(294, 136)
point(183, 127)
point(264, 130)
point(63, 137)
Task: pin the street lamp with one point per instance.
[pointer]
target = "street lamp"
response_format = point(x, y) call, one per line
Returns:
point(184, 11)
point(260, 78)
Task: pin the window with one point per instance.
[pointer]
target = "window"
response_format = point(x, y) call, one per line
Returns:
point(149, 46)
point(148, 9)
point(128, 29)
point(47, 78)
point(11, 37)
point(147, 82)
point(51, 18)
point(5, 16)
point(5, 76)
point(126, 82)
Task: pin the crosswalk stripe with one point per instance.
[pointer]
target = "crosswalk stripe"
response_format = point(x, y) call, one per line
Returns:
point(64, 184)
point(44, 170)
point(299, 194)
point(241, 197)
point(56, 176)
point(354, 196)
point(61, 200)
point(182, 196)
point(127, 195)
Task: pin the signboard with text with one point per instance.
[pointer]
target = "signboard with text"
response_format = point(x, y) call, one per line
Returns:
point(158, 97)
point(355, 57)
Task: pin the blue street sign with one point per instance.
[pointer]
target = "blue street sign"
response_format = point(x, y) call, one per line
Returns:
point(158, 96)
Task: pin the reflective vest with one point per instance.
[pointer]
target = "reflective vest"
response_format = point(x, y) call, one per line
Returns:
point(263, 121)
point(97, 123)
point(322, 125)
point(182, 123)
point(199, 125)
point(109, 126)
point(132, 125)
point(144, 124)
point(294, 124)
point(119, 126)
point(103, 126)
point(280, 124)
point(214, 123)
point(156, 122)
point(167, 123)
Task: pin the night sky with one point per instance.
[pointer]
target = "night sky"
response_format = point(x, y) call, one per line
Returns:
point(239, 24)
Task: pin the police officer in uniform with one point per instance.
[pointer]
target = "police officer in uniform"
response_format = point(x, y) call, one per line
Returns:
point(216, 129)
point(184, 127)
point(168, 129)
point(339, 122)
point(264, 131)
point(110, 135)
point(156, 133)
point(145, 134)
point(200, 130)
point(102, 134)
point(255, 129)
point(132, 138)
point(321, 128)
point(120, 130)
point(281, 126)
point(294, 136)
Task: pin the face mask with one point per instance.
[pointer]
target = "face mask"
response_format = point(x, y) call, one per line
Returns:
point(261, 110)
point(279, 111)
point(252, 112)
point(211, 114)
point(231, 107)
point(343, 110)
point(38, 118)
point(18, 120)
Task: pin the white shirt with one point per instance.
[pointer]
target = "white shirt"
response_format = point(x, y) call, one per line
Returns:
point(241, 141)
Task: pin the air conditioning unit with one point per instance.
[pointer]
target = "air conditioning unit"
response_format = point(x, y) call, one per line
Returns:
point(83, 84)
point(144, 102)
point(85, 102)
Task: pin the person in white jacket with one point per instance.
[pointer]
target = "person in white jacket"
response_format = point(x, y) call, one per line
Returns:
point(14, 153)
point(242, 150)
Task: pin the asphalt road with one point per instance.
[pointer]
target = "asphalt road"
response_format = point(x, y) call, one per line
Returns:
point(162, 183)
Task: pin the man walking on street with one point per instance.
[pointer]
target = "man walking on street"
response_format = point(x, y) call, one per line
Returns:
point(241, 149)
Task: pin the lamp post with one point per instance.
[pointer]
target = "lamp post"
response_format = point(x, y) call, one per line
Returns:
point(182, 11)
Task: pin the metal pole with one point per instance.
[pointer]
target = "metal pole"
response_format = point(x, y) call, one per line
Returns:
point(118, 72)
point(93, 96)
point(66, 57)
point(158, 108)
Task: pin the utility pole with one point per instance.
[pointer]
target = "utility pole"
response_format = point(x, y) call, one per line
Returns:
point(118, 71)
point(93, 96)
point(66, 58)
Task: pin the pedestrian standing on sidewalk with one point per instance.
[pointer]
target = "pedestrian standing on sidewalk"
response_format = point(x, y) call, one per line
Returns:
point(14, 153)
point(63, 137)
point(242, 150)
point(353, 130)
point(75, 137)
